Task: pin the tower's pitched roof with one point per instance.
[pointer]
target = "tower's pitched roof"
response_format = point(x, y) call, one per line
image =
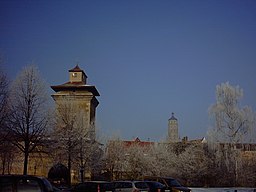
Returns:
point(173, 118)
point(76, 69)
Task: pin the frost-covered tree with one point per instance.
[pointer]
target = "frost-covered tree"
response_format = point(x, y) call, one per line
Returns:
point(247, 170)
point(233, 123)
point(194, 165)
point(163, 160)
point(136, 161)
point(129, 160)
point(114, 158)
point(29, 118)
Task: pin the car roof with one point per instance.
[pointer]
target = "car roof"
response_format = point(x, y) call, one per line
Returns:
point(157, 177)
point(149, 181)
point(128, 181)
point(22, 176)
point(95, 182)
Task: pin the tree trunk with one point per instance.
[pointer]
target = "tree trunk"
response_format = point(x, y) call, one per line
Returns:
point(69, 169)
point(3, 166)
point(25, 168)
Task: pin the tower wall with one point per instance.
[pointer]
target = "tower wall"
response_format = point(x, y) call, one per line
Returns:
point(173, 129)
point(83, 104)
point(81, 99)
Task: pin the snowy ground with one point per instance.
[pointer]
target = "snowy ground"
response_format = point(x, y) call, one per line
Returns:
point(223, 189)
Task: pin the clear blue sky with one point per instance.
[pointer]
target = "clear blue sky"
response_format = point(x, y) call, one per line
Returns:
point(146, 58)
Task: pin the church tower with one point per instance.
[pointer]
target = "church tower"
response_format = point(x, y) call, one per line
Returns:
point(173, 135)
point(82, 96)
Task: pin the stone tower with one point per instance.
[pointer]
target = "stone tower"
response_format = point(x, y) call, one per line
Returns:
point(82, 96)
point(173, 134)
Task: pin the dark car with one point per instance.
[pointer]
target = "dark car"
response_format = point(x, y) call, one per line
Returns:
point(94, 186)
point(155, 186)
point(130, 186)
point(24, 183)
point(170, 183)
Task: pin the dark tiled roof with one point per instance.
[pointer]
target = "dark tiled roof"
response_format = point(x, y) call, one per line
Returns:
point(138, 142)
point(76, 83)
point(69, 86)
point(76, 69)
point(173, 118)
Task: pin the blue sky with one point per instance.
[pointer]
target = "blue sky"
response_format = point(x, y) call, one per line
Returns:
point(146, 58)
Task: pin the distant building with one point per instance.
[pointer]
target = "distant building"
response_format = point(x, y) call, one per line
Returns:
point(126, 144)
point(83, 95)
point(137, 142)
point(173, 129)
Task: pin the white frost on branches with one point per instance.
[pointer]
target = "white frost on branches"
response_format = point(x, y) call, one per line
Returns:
point(233, 123)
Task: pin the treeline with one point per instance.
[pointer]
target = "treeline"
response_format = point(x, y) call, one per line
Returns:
point(192, 163)
point(29, 125)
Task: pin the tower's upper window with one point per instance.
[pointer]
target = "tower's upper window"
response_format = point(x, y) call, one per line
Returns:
point(74, 74)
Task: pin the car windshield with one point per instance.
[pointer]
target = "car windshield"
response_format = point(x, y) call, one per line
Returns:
point(141, 185)
point(123, 184)
point(86, 186)
point(173, 183)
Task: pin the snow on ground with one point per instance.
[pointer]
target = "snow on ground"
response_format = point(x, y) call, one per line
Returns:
point(223, 189)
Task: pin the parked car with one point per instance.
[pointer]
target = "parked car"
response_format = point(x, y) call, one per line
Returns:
point(130, 186)
point(24, 183)
point(155, 186)
point(61, 189)
point(94, 186)
point(170, 183)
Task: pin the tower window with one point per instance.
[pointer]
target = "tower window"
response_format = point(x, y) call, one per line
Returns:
point(74, 74)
